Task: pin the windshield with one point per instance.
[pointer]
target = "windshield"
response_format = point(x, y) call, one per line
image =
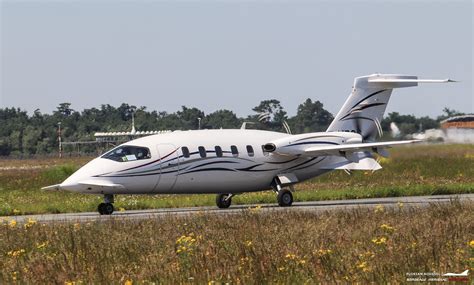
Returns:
point(128, 153)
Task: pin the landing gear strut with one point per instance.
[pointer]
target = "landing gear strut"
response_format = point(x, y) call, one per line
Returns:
point(223, 201)
point(106, 208)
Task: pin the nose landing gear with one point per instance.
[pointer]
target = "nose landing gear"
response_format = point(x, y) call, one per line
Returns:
point(223, 201)
point(106, 208)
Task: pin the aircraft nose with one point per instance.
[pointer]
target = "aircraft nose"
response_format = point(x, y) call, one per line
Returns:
point(94, 167)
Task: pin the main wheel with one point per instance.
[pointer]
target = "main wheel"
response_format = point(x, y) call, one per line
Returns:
point(101, 209)
point(108, 209)
point(223, 201)
point(285, 198)
point(105, 208)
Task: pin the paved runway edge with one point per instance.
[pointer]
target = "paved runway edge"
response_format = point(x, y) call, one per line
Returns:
point(408, 201)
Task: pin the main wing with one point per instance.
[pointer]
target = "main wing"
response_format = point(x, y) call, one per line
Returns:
point(343, 150)
point(352, 156)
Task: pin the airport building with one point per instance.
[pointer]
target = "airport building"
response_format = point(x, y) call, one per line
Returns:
point(459, 129)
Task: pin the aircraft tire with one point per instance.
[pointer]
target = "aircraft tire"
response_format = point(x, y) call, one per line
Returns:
point(221, 201)
point(105, 208)
point(285, 198)
point(100, 208)
point(108, 209)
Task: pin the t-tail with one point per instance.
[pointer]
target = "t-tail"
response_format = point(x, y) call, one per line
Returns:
point(363, 110)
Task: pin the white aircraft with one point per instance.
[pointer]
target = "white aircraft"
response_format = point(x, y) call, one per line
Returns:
point(462, 274)
point(229, 162)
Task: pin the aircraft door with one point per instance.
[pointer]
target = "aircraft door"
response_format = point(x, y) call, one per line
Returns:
point(169, 167)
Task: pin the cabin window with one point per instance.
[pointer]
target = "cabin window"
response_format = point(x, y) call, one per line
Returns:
point(202, 151)
point(250, 150)
point(185, 151)
point(218, 151)
point(126, 153)
point(234, 150)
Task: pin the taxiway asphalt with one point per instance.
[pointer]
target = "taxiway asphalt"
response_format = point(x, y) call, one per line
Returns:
point(412, 201)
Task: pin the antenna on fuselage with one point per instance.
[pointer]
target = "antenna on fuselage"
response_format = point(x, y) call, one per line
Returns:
point(133, 124)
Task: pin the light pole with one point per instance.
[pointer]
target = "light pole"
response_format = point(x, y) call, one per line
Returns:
point(199, 123)
point(60, 141)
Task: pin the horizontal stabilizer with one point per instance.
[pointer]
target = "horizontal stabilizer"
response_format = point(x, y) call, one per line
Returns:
point(403, 80)
point(342, 150)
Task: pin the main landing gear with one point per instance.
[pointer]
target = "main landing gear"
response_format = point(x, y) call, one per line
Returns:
point(106, 208)
point(284, 195)
point(284, 198)
point(223, 201)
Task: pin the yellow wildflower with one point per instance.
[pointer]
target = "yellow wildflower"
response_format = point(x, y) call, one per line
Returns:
point(322, 252)
point(367, 254)
point(387, 228)
point(12, 223)
point(400, 204)
point(471, 243)
point(16, 253)
point(248, 243)
point(121, 209)
point(363, 266)
point(16, 212)
point(185, 243)
point(381, 240)
point(290, 256)
point(30, 223)
point(379, 209)
point(255, 209)
point(41, 245)
point(128, 282)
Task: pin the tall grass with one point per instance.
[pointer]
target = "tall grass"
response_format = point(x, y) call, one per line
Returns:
point(357, 246)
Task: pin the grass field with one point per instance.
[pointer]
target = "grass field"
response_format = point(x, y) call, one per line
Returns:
point(415, 170)
point(363, 246)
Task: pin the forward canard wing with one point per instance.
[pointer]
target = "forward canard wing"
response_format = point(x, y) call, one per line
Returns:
point(91, 185)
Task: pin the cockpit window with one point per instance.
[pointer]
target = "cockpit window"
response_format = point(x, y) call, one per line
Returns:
point(128, 153)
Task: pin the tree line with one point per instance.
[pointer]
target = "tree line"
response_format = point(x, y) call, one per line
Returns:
point(23, 134)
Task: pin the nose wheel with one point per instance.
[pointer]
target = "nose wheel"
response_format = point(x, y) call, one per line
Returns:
point(223, 201)
point(106, 208)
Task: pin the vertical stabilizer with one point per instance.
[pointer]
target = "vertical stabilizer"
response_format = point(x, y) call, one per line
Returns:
point(363, 110)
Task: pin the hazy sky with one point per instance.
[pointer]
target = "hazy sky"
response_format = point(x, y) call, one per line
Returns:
point(231, 54)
